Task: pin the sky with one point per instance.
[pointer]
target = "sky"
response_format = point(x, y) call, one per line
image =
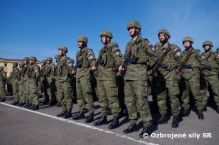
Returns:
point(39, 27)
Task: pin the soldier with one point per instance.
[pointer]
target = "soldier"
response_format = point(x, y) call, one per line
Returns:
point(14, 79)
point(57, 86)
point(85, 64)
point(43, 82)
point(63, 75)
point(20, 78)
point(135, 61)
point(3, 79)
point(108, 62)
point(24, 100)
point(209, 70)
point(50, 69)
point(190, 66)
point(166, 76)
point(33, 73)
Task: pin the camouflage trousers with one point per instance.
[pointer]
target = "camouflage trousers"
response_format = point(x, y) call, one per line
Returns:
point(33, 96)
point(108, 95)
point(65, 94)
point(136, 101)
point(213, 82)
point(192, 84)
point(50, 91)
point(15, 90)
point(2, 91)
point(84, 94)
point(21, 92)
point(170, 88)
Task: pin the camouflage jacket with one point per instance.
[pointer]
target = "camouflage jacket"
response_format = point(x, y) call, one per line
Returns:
point(63, 70)
point(209, 63)
point(136, 57)
point(168, 58)
point(190, 58)
point(14, 74)
point(50, 70)
point(108, 62)
point(33, 72)
point(3, 78)
point(85, 60)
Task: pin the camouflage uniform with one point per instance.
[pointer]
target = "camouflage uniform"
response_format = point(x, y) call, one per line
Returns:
point(50, 69)
point(63, 80)
point(190, 65)
point(108, 62)
point(167, 64)
point(14, 79)
point(3, 79)
point(21, 83)
point(33, 73)
point(209, 70)
point(137, 54)
point(85, 60)
point(25, 90)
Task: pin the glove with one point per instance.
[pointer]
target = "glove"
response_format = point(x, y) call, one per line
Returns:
point(163, 65)
point(186, 66)
point(131, 60)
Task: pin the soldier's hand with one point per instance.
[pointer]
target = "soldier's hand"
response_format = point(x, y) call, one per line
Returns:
point(93, 68)
point(121, 68)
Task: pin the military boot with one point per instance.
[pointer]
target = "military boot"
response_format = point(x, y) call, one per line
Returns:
point(131, 128)
point(67, 114)
point(163, 119)
point(101, 121)
point(27, 105)
point(14, 103)
point(2, 100)
point(217, 109)
point(148, 130)
point(21, 104)
point(61, 114)
point(78, 116)
point(90, 118)
point(186, 112)
point(35, 107)
point(115, 123)
point(175, 122)
point(200, 115)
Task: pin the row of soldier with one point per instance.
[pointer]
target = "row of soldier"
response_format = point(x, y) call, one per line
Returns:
point(163, 71)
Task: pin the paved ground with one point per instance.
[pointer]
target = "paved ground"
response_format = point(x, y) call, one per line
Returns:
point(19, 126)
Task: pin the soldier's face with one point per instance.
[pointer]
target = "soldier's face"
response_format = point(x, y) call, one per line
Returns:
point(162, 37)
point(132, 31)
point(48, 62)
point(105, 39)
point(187, 44)
point(207, 47)
point(31, 61)
point(80, 44)
point(60, 52)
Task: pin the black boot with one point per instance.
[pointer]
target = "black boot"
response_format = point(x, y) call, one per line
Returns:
point(35, 107)
point(2, 100)
point(200, 115)
point(131, 128)
point(78, 116)
point(163, 119)
point(101, 121)
point(27, 105)
point(148, 130)
point(58, 104)
point(90, 118)
point(115, 123)
point(175, 122)
point(14, 103)
point(67, 114)
point(21, 104)
point(61, 114)
point(186, 112)
point(217, 109)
